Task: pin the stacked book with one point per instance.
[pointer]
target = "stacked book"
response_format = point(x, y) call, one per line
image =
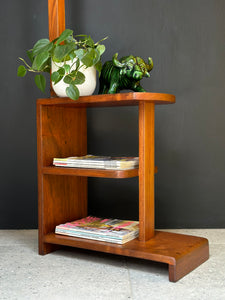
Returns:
point(107, 230)
point(98, 162)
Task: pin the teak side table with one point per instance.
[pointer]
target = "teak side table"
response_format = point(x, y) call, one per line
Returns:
point(62, 132)
point(62, 192)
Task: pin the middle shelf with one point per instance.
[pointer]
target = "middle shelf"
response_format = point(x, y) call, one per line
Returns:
point(51, 170)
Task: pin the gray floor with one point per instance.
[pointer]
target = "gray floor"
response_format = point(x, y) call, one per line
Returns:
point(79, 274)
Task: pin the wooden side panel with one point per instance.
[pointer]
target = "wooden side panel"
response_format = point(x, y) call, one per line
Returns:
point(146, 171)
point(61, 132)
point(56, 18)
point(64, 200)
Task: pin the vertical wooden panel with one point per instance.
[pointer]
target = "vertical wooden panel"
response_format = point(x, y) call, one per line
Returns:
point(64, 200)
point(146, 171)
point(56, 18)
point(64, 132)
point(61, 132)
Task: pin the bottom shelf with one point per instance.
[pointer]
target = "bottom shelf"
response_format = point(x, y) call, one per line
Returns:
point(183, 253)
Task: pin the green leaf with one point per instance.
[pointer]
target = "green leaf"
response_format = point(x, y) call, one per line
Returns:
point(74, 78)
point(48, 48)
point(69, 40)
point(97, 57)
point(77, 63)
point(88, 59)
point(46, 67)
point(55, 76)
point(30, 55)
point(61, 51)
point(72, 92)
point(68, 79)
point(58, 75)
point(38, 47)
point(79, 53)
point(101, 49)
point(40, 82)
point(73, 73)
point(67, 68)
point(72, 55)
point(64, 35)
point(98, 67)
point(39, 60)
point(61, 71)
point(89, 42)
point(79, 79)
point(21, 71)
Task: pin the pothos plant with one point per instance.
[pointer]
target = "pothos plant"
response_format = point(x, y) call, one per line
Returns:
point(80, 49)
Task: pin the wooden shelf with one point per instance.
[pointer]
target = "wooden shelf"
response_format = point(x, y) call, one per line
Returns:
point(92, 172)
point(121, 99)
point(182, 253)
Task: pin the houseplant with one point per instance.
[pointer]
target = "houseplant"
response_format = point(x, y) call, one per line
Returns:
point(69, 59)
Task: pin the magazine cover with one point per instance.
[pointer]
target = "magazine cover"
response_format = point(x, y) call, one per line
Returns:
point(112, 230)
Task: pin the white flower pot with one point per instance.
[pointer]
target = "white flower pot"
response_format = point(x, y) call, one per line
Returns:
point(85, 89)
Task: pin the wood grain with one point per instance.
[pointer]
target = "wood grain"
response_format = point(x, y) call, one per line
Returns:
point(56, 18)
point(182, 253)
point(189, 261)
point(123, 99)
point(61, 132)
point(56, 24)
point(146, 170)
point(92, 172)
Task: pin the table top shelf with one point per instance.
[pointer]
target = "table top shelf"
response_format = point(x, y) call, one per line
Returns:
point(120, 99)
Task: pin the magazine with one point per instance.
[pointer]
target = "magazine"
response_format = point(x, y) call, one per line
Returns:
point(98, 162)
point(107, 230)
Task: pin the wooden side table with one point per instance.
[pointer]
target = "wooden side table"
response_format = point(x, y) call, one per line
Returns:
point(62, 132)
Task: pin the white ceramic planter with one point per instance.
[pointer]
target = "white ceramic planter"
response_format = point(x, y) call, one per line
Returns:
point(85, 89)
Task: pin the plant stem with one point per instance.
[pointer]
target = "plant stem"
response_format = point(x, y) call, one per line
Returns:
point(105, 38)
point(25, 62)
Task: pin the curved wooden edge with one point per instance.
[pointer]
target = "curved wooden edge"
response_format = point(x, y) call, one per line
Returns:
point(120, 99)
point(133, 248)
point(183, 253)
point(92, 172)
point(193, 258)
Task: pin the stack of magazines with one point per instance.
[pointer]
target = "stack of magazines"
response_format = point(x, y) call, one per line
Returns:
point(98, 162)
point(107, 230)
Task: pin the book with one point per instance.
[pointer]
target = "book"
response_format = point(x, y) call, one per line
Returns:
point(107, 230)
point(98, 162)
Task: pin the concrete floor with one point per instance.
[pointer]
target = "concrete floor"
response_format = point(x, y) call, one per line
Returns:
point(79, 274)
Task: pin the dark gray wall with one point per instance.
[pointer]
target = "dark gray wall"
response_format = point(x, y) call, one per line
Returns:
point(22, 23)
point(186, 41)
